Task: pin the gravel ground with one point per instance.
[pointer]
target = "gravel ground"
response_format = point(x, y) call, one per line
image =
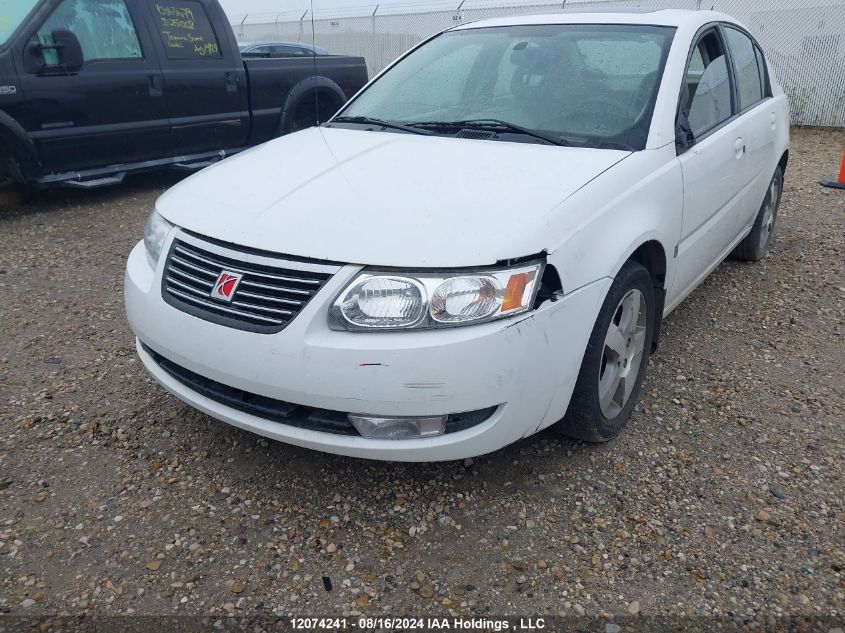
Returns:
point(724, 496)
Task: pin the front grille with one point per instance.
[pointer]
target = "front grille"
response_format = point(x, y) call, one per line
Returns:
point(272, 291)
point(296, 415)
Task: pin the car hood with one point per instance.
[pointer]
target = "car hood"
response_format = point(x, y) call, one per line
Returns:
point(387, 199)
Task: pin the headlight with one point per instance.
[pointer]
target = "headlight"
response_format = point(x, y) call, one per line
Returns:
point(156, 229)
point(377, 301)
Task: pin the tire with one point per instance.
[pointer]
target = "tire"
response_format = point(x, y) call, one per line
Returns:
point(757, 243)
point(6, 179)
point(309, 113)
point(607, 389)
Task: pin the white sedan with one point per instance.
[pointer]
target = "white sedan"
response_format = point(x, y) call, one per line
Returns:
point(481, 244)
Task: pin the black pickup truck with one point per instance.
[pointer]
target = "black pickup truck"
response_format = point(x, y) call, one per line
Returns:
point(91, 90)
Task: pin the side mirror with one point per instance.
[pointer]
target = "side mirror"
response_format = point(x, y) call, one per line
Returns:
point(68, 51)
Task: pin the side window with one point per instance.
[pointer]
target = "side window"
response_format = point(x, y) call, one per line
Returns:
point(707, 86)
point(290, 51)
point(103, 27)
point(748, 80)
point(185, 29)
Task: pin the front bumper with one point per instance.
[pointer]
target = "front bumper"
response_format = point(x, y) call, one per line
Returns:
point(524, 367)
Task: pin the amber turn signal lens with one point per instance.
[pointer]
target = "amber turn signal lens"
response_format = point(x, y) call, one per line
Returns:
point(515, 292)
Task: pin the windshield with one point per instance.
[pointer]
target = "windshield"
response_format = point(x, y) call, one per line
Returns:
point(591, 85)
point(12, 13)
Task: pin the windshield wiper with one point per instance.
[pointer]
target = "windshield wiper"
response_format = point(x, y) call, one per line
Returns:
point(491, 124)
point(365, 120)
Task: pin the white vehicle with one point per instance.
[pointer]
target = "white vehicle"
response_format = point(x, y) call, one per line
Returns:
point(481, 244)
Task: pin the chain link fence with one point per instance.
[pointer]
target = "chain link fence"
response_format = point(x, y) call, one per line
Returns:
point(804, 39)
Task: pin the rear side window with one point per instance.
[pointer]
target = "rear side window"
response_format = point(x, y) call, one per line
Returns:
point(748, 79)
point(707, 99)
point(104, 29)
point(185, 30)
point(289, 50)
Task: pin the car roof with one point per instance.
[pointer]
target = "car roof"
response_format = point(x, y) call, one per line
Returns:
point(656, 17)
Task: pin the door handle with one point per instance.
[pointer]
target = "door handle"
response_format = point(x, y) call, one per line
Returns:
point(774, 120)
point(739, 147)
point(155, 85)
point(232, 82)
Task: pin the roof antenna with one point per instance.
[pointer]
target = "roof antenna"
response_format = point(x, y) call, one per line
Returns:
point(314, 57)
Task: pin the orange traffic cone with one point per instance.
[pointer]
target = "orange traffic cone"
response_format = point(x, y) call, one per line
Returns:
point(840, 183)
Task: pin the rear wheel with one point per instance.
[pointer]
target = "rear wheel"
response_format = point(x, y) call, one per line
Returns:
point(757, 243)
point(311, 110)
point(614, 367)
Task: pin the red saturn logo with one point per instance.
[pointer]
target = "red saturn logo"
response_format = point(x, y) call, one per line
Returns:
point(225, 286)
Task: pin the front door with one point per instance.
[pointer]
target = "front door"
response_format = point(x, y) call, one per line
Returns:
point(204, 76)
point(110, 111)
point(713, 168)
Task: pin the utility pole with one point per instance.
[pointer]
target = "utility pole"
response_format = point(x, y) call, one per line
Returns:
point(377, 53)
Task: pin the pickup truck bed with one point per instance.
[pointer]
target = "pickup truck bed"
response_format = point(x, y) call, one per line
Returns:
point(144, 84)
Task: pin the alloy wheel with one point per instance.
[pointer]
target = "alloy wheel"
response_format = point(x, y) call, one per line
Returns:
point(770, 212)
point(624, 345)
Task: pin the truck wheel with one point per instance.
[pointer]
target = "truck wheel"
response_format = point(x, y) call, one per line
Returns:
point(614, 366)
point(757, 243)
point(309, 113)
point(6, 179)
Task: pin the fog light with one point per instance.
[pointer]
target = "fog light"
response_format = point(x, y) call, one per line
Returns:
point(377, 428)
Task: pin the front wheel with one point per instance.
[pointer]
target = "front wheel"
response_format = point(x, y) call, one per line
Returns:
point(614, 365)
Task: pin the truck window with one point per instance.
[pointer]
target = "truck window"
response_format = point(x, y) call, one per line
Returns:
point(12, 13)
point(185, 29)
point(104, 29)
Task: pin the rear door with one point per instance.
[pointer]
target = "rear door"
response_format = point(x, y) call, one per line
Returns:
point(757, 121)
point(110, 111)
point(204, 77)
point(713, 167)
